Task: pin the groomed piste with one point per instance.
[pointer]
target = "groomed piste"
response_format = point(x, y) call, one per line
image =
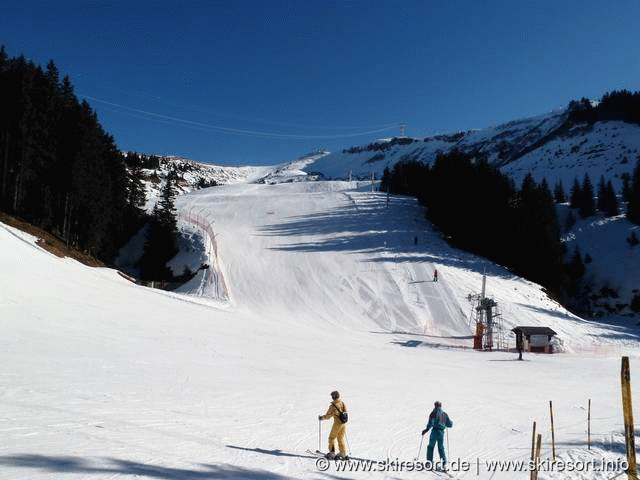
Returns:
point(329, 286)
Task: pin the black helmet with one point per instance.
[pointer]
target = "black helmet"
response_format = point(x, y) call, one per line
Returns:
point(438, 404)
point(335, 395)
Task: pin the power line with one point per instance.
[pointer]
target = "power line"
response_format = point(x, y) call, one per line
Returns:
point(235, 131)
point(244, 118)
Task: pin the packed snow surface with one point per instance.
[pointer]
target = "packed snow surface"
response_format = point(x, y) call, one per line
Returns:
point(312, 286)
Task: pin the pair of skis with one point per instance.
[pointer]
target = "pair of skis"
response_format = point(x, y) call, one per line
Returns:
point(322, 454)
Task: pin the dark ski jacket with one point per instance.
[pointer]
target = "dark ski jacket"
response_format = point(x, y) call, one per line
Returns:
point(438, 420)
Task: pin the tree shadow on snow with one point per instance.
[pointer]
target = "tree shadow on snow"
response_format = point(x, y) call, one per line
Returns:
point(462, 342)
point(371, 227)
point(620, 329)
point(114, 466)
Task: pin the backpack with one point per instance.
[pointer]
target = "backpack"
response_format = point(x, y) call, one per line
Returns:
point(342, 416)
point(441, 420)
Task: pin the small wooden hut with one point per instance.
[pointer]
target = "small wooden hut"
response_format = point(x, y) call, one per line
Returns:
point(534, 339)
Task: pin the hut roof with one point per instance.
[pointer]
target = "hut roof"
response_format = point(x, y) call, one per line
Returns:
point(534, 330)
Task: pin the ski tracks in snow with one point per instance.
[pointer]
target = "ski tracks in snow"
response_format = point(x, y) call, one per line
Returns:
point(443, 315)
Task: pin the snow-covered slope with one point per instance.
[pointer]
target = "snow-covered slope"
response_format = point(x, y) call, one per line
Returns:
point(500, 144)
point(102, 378)
point(548, 147)
point(543, 146)
point(607, 149)
point(193, 175)
point(611, 269)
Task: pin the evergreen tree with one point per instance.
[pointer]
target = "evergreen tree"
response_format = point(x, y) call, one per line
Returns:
point(135, 190)
point(576, 194)
point(569, 222)
point(558, 193)
point(58, 168)
point(575, 266)
point(480, 210)
point(633, 208)
point(587, 203)
point(168, 209)
point(385, 181)
point(601, 194)
point(611, 208)
point(626, 186)
point(539, 236)
point(162, 236)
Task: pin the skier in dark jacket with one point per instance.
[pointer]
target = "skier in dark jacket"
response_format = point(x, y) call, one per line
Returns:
point(438, 421)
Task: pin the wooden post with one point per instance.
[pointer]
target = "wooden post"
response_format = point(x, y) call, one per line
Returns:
point(627, 408)
point(537, 457)
point(533, 441)
point(553, 436)
point(589, 426)
point(533, 450)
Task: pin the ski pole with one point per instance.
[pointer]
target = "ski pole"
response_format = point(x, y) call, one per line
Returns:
point(347, 439)
point(448, 453)
point(319, 434)
point(420, 448)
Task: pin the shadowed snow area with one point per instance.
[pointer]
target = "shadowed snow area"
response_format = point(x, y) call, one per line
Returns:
point(311, 287)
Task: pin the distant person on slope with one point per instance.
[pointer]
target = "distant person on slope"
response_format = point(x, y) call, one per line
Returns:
point(338, 411)
point(438, 421)
point(435, 275)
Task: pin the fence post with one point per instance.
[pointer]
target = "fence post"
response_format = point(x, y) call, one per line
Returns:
point(533, 450)
point(537, 457)
point(589, 426)
point(627, 408)
point(553, 436)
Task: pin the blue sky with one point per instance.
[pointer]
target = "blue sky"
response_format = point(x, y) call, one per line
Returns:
point(234, 82)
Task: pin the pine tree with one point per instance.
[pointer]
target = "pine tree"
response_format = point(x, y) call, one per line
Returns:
point(587, 202)
point(633, 209)
point(558, 193)
point(611, 208)
point(576, 267)
point(601, 194)
point(135, 188)
point(539, 236)
point(385, 181)
point(162, 236)
point(576, 194)
point(626, 186)
point(570, 221)
point(58, 168)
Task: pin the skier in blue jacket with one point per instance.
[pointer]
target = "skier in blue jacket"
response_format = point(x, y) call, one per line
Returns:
point(438, 421)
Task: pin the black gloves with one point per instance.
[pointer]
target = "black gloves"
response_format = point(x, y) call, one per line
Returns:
point(424, 431)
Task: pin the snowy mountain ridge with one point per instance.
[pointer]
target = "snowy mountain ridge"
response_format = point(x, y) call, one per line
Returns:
point(547, 146)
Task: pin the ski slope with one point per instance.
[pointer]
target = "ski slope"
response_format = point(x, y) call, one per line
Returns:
point(325, 289)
